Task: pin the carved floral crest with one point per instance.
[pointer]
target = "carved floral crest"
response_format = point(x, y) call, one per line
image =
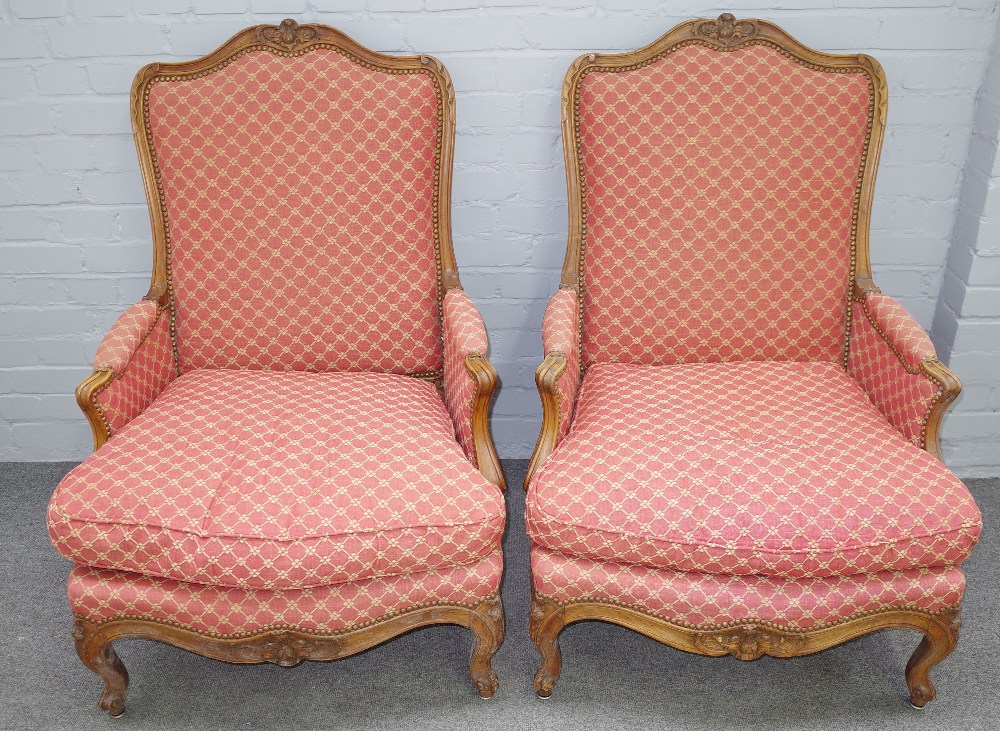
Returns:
point(726, 30)
point(288, 35)
point(747, 643)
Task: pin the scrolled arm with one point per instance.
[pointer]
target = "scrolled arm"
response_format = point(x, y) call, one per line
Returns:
point(469, 382)
point(133, 364)
point(558, 377)
point(894, 361)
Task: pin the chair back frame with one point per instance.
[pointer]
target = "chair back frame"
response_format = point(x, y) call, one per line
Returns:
point(725, 34)
point(291, 39)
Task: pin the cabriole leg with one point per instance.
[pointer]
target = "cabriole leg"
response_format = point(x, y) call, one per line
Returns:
point(938, 642)
point(544, 625)
point(488, 628)
point(97, 654)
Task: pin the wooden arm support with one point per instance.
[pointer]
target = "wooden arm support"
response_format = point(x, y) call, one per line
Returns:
point(914, 362)
point(546, 378)
point(485, 376)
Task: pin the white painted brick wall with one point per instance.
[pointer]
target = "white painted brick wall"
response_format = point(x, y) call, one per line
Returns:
point(74, 236)
point(967, 319)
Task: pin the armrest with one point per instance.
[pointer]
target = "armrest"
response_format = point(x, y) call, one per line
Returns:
point(133, 364)
point(894, 361)
point(469, 382)
point(558, 377)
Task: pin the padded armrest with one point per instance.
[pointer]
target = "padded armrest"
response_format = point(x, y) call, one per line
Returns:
point(895, 362)
point(558, 377)
point(561, 335)
point(469, 381)
point(133, 364)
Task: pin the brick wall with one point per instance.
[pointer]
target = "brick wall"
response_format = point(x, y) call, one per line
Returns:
point(74, 233)
point(966, 326)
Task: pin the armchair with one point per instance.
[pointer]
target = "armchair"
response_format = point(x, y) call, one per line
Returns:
point(293, 460)
point(738, 452)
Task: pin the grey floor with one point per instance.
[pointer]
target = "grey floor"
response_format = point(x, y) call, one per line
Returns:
point(612, 678)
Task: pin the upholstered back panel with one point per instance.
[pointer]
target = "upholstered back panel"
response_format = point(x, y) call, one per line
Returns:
point(300, 201)
point(719, 189)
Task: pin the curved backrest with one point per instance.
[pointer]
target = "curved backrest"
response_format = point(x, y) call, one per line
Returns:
point(297, 181)
point(719, 181)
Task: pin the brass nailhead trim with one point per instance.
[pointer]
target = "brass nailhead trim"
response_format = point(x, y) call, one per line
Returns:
point(727, 49)
point(118, 377)
point(274, 627)
point(913, 372)
point(439, 135)
point(745, 622)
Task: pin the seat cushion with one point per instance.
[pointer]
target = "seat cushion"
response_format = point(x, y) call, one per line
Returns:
point(770, 468)
point(273, 480)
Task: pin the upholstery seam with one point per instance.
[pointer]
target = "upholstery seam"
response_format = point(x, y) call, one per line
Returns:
point(836, 553)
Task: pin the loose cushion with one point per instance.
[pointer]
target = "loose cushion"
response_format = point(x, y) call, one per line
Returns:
point(770, 468)
point(272, 480)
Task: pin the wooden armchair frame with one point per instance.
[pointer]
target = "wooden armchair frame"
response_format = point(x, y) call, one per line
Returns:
point(746, 641)
point(280, 646)
point(291, 39)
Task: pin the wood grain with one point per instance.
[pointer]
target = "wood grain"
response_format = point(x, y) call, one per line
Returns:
point(748, 641)
point(286, 647)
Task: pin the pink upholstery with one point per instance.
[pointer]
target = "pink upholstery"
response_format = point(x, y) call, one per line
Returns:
point(274, 480)
point(128, 333)
point(719, 189)
point(711, 600)
point(775, 468)
point(300, 204)
point(887, 347)
point(101, 595)
point(560, 334)
point(138, 349)
point(464, 334)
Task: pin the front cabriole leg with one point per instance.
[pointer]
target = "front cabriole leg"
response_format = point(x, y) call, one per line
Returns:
point(488, 627)
point(96, 653)
point(544, 625)
point(939, 640)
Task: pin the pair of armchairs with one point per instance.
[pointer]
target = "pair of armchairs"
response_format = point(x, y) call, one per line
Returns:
point(739, 440)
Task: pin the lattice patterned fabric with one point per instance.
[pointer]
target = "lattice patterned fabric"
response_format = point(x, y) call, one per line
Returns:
point(101, 595)
point(560, 333)
point(886, 348)
point(719, 188)
point(300, 203)
point(138, 349)
point(274, 480)
point(124, 337)
point(710, 600)
point(464, 333)
point(774, 468)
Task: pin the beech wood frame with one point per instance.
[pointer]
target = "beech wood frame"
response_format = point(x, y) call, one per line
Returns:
point(749, 640)
point(292, 39)
point(288, 647)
